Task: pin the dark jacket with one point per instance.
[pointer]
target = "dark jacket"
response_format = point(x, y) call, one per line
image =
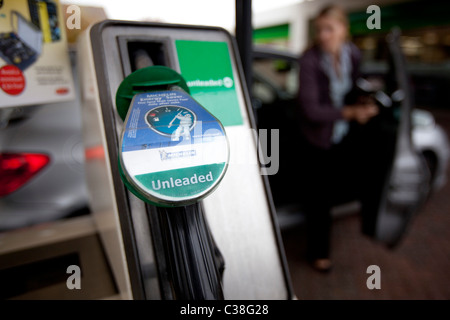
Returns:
point(317, 113)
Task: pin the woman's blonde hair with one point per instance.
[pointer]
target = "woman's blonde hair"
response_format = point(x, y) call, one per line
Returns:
point(336, 12)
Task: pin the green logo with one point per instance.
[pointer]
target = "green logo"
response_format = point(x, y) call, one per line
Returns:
point(206, 66)
point(226, 82)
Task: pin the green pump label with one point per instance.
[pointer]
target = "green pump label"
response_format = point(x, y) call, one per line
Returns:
point(173, 150)
point(206, 67)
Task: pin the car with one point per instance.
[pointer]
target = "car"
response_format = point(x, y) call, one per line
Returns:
point(274, 91)
point(42, 164)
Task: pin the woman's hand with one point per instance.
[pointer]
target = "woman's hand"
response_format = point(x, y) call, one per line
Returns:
point(361, 113)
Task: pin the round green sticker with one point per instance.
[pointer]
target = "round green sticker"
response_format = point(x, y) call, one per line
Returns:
point(173, 151)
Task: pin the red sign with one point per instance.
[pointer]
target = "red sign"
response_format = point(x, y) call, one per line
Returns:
point(12, 80)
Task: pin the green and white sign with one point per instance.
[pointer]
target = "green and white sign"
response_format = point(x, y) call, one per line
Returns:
point(206, 67)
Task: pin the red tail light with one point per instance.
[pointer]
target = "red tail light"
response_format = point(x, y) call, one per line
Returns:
point(17, 168)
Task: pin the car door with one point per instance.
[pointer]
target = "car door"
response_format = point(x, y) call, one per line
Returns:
point(396, 175)
point(274, 93)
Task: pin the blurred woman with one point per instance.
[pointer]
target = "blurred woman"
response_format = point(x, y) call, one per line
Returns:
point(328, 71)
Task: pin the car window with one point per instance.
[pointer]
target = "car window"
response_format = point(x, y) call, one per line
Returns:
point(428, 62)
point(275, 77)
